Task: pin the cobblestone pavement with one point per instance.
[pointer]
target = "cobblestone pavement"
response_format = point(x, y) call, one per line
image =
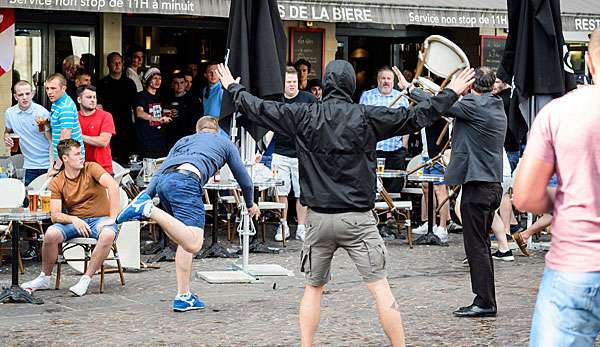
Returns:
point(429, 282)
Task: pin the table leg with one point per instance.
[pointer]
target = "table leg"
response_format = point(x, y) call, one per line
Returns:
point(430, 238)
point(215, 250)
point(16, 293)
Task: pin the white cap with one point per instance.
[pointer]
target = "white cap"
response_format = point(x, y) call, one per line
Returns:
point(151, 72)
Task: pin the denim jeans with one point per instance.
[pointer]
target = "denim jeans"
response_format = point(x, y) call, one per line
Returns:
point(567, 310)
point(181, 196)
point(31, 174)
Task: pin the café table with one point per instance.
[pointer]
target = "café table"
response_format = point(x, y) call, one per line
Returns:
point(18, 216)
point(430, 238)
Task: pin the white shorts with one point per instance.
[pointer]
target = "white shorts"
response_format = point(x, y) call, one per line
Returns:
point(286, 169)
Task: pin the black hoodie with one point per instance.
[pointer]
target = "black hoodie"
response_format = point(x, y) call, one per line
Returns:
point(336, 139)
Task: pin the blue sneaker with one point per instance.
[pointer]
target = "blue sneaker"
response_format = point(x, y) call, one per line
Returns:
point(135, 209)
point(192, 303)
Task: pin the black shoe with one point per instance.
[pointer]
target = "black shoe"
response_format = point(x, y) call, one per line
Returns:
point(475, 311)
point(506, 256)
point(30, 254)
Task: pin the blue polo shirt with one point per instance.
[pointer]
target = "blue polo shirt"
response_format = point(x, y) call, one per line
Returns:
point(63, 115)
point(212, 99)
point(33, 143)
point(375, 98)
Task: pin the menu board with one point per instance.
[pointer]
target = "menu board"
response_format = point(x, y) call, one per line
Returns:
point(492, 51)
point(308, 44)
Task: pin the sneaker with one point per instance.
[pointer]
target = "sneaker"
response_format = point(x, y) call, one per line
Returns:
point(41, 282)
point(137, 209)
point(441, 232)
point(191, 302)
point(506, 256)
point(421, 230)
point(30, 254)
point(300, 232)
point(521, 243)
point(279, 236)
point(453, 227)
point(465, 261)
point(81, 287)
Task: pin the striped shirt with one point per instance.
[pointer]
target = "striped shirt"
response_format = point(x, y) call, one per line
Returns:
point(374, 98)
point(63, 115)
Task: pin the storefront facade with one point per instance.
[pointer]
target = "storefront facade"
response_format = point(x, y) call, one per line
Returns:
point(178, 32)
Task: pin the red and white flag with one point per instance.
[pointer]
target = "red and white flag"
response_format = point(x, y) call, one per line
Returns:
point(7, 39)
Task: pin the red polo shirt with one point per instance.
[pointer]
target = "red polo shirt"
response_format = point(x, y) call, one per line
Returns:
point(93, 125)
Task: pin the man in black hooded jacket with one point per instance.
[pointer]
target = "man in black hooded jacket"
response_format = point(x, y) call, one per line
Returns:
point(336, 142)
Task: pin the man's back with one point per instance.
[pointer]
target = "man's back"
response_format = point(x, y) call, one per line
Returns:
point(478, 139)
point(571, 141)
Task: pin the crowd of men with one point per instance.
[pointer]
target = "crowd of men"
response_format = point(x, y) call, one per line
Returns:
point(328, 161)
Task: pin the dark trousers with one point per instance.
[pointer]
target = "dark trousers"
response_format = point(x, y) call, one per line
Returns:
point(395, 160)
point(479, 203)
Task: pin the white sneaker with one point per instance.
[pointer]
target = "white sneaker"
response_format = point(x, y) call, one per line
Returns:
point(441, 232)
point(81, 287)
point(421, 230)
point(300, 232)
point(278, 235)
point(39, 283)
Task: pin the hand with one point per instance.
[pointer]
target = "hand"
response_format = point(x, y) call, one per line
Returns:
point(8, 142)
point(225, 76)
point(463, 81)
point(257, 157)
point(82, 227)
point(165, 120)
point(402, 82)
point(254, 211)
point(100, 107)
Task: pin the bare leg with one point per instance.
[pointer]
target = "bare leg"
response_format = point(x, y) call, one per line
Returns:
point(189, 238)
point(52, 238)
point(284, 200)
point(424, 203)
point(539, 225)
point(498, 228)
point(441, 193)
point(389, 311)
point(506, 212)
point(310, 314)
point(105, 241)
point(301, 212)
point(183, 268)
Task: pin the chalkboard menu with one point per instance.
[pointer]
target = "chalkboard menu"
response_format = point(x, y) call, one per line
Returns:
point(308, 44)
point(492, 51)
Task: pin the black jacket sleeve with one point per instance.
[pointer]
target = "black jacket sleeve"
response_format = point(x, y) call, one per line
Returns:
point(388, 122)
point(277, 116)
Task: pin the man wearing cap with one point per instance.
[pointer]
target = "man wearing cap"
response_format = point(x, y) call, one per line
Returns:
point(149, 117)
point(315, 87)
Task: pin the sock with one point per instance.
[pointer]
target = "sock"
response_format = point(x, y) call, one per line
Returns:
point(148, 210)
point(503, 250)
point(183, 296)
point(283, 221)
point(301, 227)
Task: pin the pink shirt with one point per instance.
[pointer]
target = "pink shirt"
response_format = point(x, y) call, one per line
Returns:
point(566, 133)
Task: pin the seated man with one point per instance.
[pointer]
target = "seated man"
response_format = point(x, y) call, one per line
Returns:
point(178, 184)
point(80, 190)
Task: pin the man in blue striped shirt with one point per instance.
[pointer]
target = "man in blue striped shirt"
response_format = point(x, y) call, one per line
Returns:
point(392, 149)
point(63, 116)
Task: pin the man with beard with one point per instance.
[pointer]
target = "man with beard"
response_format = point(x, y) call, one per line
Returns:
point(336, 141)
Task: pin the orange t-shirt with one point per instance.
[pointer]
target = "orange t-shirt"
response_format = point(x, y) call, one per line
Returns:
point(82, 196)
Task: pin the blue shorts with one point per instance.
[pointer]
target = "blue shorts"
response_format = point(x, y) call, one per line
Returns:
point(69, 232)
point(436, 170)
point(553, 182)
point(181, 197)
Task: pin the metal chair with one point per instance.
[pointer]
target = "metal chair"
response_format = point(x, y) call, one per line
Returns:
point(400, 210)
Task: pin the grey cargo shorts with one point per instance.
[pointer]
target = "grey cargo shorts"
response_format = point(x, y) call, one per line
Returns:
point(356, 232)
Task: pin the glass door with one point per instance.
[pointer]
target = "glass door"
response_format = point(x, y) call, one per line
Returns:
point(31, 58)
point(71, 47)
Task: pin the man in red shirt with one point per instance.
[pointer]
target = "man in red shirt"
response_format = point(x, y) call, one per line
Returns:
point(97, 127)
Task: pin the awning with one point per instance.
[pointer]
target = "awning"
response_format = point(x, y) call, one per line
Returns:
point(578, 15)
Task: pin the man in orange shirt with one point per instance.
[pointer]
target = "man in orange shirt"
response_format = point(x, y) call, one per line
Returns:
point(80, 207)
